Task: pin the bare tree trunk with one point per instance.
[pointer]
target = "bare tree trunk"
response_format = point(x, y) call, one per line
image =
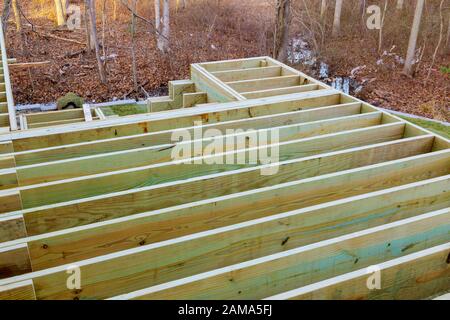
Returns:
point(163, 43)
point(133, 44)
point(409, 62)
point(447, 42)
point(282, 29)
point(5, 15)
point(337, 18)
point(60, 21)
point(65, 6)
point(94, 40)
point(323, 8)
point(362, 12)
point(380, 36)
point(180, 4)
point(362, 7)
point(400, 4)
point(158, 23)
point(17, 18)
point(157, 16)
point(114, 9)
point(441, 35)
point(87, 28)
point(19, 29)
point(104, 21)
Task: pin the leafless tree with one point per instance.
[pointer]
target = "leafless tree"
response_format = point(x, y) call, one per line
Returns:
point(380, 33)
point(133, 44)
point(163, 43)
point(180, 4)
point(409, 62)
point(158, 21)
point(5, 14)
point(323, 8)
point(17, 17)
point(447, 42)
point(94, 39)
point(65, 6)
point(114, 3)
point(89, 44)
point(337, 18)
point(283, 17)
point(441, 36)
point(60, 20)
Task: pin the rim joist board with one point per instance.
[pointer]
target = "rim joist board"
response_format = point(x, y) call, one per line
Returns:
point(8, 120)
point(352, 187)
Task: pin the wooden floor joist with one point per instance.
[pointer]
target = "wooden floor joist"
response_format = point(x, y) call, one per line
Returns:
point(113, 161)
point(8, 119)
point(259, 278)
point(424, 273)
point(164, 137)
point(336, 186)
point(125, 233)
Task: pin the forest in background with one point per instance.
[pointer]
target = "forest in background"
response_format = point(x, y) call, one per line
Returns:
point(134, 49)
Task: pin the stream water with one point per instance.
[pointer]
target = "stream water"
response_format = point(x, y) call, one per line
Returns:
point(300, 53)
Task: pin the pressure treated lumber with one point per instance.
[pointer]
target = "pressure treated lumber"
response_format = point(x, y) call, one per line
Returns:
point(11, 228)
point(164, 137)
point(50, 116)
point(287, 269)
point(416, 276)
point(8, 178)
point(235, 64)
point(177, 90)
point(18, 291)
point(301, 226)
point(358, 157)
point(127, 126)
point(55, 123)
point(88, 186)
point(216, 91)
point(208, 190)
point(10, 200)
point(290, 170)
point(291, 268)
point(6, 147)
point(314, 165)
point(113, 161)
point(8, 95)
point(14, 261)
point(7, 161)
point(345, 186)
point(279, 91)
point(266, 83)
point(248, 74)
point(192, 99)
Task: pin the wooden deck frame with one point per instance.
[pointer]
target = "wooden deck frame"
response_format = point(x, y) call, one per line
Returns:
point(423, 273)
point(400, 235)
point(114, 161)
point(163, 137)
point(347, 214)
point(103, 190)
point(297, 193)
point(289, 268)
point(9, 99)
point(40, 194)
